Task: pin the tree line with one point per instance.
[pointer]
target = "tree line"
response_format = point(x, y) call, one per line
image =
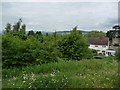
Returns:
point(21, 49)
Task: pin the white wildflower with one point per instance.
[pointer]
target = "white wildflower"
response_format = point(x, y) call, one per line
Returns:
point(24, 81)
point(52, 74)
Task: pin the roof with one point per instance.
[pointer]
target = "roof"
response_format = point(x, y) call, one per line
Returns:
point(98, 41)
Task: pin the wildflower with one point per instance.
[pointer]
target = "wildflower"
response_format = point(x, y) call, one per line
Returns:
point(52, 75)
point(29, 87)
point(30, 83)
point(52, 79)
point(58, 71)
point(66, 78)
point(14, 78)
point(23, 81)
point(33, 79)
point(107, 78)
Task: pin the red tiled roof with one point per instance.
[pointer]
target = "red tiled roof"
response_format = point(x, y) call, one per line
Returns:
point(98, 41)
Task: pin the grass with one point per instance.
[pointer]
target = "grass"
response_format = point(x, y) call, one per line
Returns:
point(70, 74)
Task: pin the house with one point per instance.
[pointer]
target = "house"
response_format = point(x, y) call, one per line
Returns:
point(115, 41)
point(101, 45)
point(114, 37)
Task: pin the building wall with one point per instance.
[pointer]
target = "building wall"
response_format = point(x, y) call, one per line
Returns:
point(99, 48)
point(115, 41)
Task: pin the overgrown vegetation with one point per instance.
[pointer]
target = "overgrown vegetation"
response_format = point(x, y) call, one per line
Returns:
point(62, 74)
point(75, 46)
point(118, 55)
point(20, 49)
point(93, 34)
point(36, 60)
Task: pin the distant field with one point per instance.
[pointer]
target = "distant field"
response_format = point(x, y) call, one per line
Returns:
point(71, 74)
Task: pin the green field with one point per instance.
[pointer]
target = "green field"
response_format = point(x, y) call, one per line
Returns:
point(64, 74)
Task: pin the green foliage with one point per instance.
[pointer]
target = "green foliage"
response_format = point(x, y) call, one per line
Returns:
point(112, 34)
point(64, 74)
point(31, 32)
point(16, 28)
point(74, 46)
point(23, 29)
point(8, 28)
point(24, 52)
point(38, 33)
point(46, 60)
point(118, 54)
point(15, 51)
point(115, 33)
point(95, 34)
point(21, 49)
point(94, 52)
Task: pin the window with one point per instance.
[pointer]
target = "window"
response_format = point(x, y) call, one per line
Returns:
point(98, 50)
point(103, 51)
point(103, 46)
point(96, 46)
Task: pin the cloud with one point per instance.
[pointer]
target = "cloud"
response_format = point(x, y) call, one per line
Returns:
point(62, 16)
point(60, 0)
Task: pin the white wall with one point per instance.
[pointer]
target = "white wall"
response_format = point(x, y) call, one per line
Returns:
point(99, 47)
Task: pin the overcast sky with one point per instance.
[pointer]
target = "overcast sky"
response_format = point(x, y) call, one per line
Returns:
point(51, 16)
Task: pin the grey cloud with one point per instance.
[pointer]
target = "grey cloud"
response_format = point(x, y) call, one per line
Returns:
point(62, 16)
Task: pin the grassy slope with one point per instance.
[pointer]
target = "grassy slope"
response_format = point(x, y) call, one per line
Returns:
point(72, 74)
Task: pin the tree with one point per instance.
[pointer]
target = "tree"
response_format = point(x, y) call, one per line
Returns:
point(17, 26)
point(16, 52)
point(23, 29)
point(31, 32)
point(118, 54)
point(116, 27)
point(74, 46)
point(95, 34)
point(115, 33)
point(14, 28)
point(118, 33)
point(38, 33)
point(39, 36)
point(8, 28)
point(46, 34)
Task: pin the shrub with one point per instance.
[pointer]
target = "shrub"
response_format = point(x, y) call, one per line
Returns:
point(16, 52)
point(19, 52)
point(74, 46)
point(118, 54)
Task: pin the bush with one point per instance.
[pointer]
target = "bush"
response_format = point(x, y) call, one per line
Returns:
point(19, 52)
point(74, 46)
point(16, 52)
point(118, 54)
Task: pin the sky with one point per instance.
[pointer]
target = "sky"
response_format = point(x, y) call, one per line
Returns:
point(59, 16)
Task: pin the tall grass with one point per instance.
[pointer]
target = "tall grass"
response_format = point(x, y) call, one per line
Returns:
point(64, 74)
